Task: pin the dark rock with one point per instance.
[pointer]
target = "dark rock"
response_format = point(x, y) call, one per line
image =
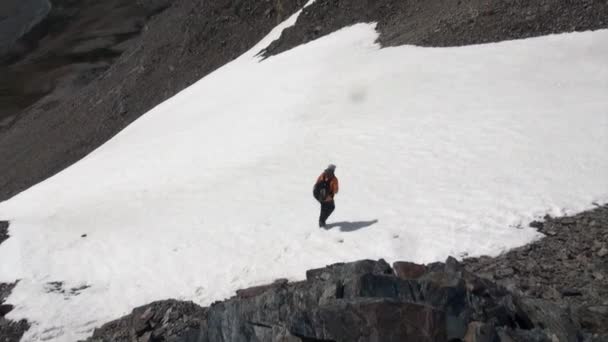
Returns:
point(345, 270)
point(440, 23)
point(504, 272)
point(571, 292)
point(360, 301)
point(549, 317)
point(564, 269)
point(594, 318)
point(519, 335)
point(17, 17)
point(372, 320)
point(168, 320)
point(536, 224)
point(4, 309)
point(456, 327)
point(568, 220)
point(3, 231)
point(257, 290)
point(408, 270)
point(480, 332)
point(69, 45)
point(10, 331)
point(141, 323)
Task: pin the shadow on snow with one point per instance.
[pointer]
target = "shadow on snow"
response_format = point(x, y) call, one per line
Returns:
point(346, 226)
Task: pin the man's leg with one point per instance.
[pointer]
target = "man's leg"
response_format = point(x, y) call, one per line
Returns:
point(330, 209)
point(326, 209)
point(322, 215)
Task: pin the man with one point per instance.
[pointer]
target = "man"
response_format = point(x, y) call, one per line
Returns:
point(325, 189)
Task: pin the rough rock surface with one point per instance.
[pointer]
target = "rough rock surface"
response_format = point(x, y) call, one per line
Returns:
point(10, 331)
point(360, 301)
point(167, 320)
point(568, 267)
point(3, 231)
point(17, 17)
point(70, 45)
point(445, 23)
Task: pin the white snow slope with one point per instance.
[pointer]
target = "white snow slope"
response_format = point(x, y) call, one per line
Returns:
point(452, 150)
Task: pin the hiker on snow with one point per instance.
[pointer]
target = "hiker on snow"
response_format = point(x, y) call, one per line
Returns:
point(324, 190)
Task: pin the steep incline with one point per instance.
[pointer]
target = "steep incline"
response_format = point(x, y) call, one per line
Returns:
point(70, 45)
point(177, 48)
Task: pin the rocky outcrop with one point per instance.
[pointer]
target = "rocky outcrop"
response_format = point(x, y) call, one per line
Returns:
point(445, 23)
point(10, 331)
point(3, 231)
point(568, 267)
point(360, 301)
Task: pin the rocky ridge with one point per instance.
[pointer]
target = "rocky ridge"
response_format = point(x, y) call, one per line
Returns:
point(437, 23)
point(361, 301)
point(10, 331)
point(3, 231)
point(568, 267)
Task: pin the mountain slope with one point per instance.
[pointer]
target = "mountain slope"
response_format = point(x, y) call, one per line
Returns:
point(439, 151)
point(175, 49)
point(194, 37)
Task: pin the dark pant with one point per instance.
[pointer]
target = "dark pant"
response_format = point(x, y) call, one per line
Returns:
point(326, 209)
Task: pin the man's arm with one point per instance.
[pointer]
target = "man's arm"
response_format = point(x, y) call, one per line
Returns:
point(335, 186)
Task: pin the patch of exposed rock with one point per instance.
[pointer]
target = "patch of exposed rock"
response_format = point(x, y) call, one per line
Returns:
point(361, 301)
point(70, 45)
point(3, 231)
point(568, 267)
point(10, 331)
point(445, 23)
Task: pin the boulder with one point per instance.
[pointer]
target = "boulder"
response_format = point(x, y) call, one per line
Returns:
point(408, 270)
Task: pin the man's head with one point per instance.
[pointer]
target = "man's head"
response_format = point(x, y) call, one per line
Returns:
point(331, 168)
